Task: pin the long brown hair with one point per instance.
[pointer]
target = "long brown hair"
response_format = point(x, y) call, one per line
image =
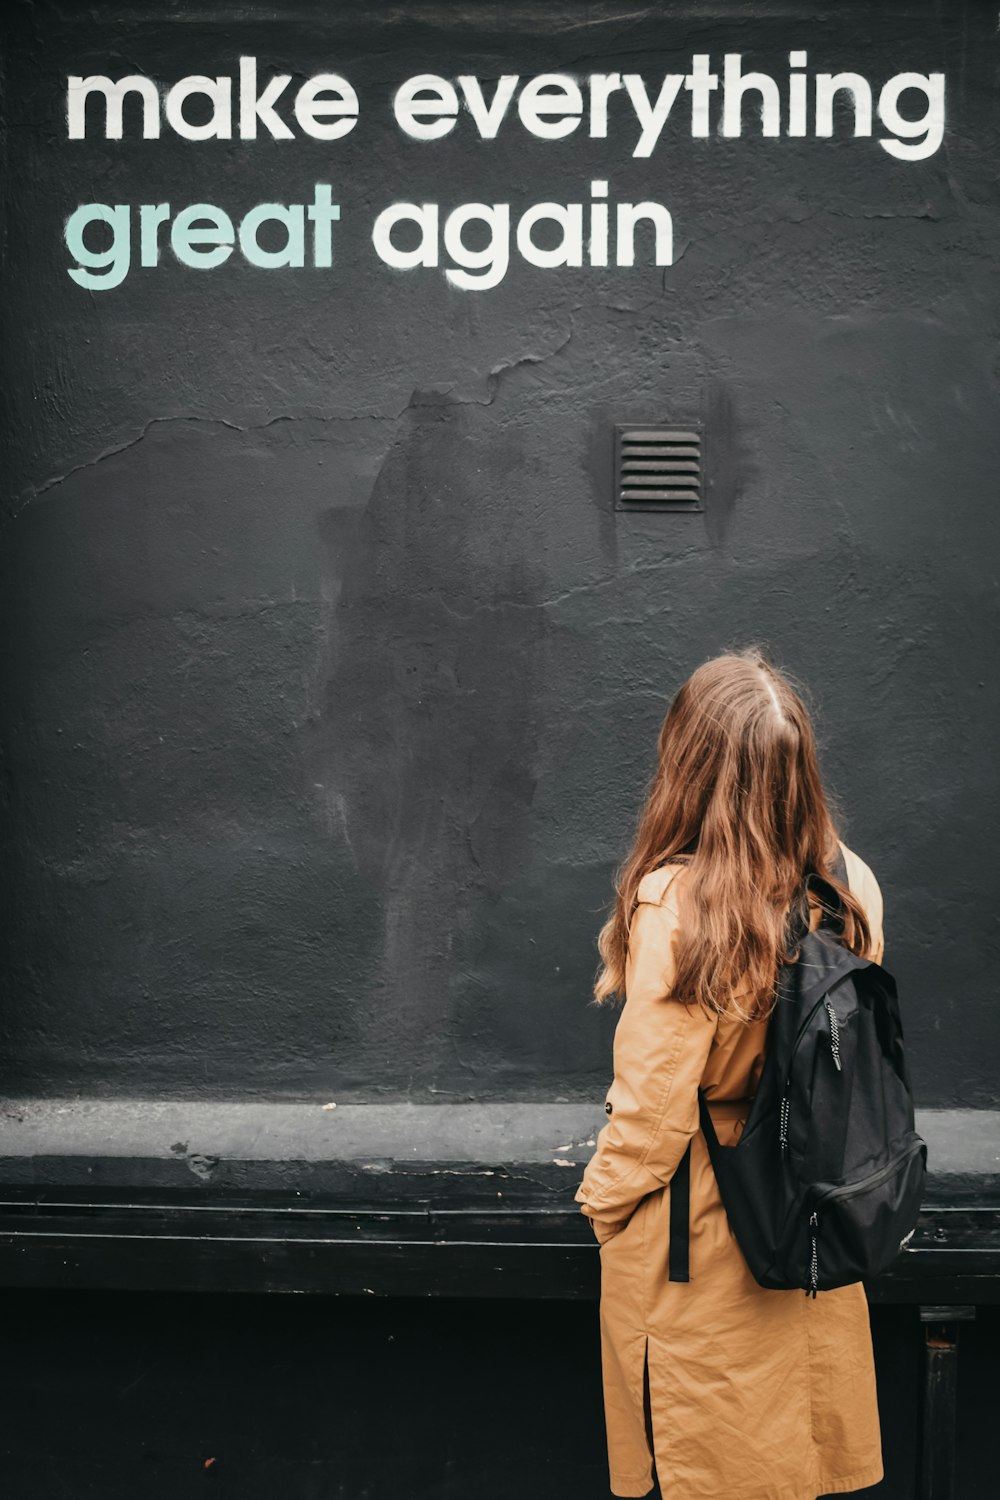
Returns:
point(737, 798)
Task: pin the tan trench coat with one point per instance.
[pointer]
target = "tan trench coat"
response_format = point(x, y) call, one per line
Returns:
point(748, 1394)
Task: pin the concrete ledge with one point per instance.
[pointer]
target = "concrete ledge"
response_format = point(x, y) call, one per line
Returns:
point(355, 1152)
point(145, 1142)
point(457, 1200)
point(156, 1128)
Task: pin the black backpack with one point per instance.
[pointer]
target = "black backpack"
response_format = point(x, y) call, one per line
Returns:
point(823, 1187)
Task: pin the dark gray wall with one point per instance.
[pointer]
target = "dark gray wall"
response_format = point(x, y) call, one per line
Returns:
point(331, 677)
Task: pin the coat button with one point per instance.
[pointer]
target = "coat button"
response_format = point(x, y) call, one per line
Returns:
point(607, 1108)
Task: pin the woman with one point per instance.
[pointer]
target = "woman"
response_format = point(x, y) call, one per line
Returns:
point(736, 1392)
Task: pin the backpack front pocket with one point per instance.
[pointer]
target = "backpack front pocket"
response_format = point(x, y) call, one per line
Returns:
point(858, 1228)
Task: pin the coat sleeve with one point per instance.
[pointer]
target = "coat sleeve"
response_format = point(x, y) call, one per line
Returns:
point(864, 885)
point(660, 1049)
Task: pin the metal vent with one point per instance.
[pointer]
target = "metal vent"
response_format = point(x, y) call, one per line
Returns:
point(658, 468)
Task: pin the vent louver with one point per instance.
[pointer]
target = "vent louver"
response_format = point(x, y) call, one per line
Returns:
point(658, 468)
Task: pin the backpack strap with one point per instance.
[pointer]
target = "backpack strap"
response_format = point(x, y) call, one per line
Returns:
point(829, 915)
point(678, 1253)
point(840, 867)
point(680, 1219)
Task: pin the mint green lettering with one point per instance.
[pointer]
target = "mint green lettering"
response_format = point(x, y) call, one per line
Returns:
point(323, 212)
point(292, 253)
point(100, 270)
point(151, 216)
point(184, 236)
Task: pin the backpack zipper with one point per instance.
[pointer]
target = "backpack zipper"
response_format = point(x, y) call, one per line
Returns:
point(786, 1102)
point(848, 1190)
point(834, 1033)
point(813, 1286)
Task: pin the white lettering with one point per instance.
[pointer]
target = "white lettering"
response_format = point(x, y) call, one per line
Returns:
point(629, 215)
point(493, 258)
point(442, 107)
point(78, 89)
point(569, 217)
point(326, 119)
point(701, 83)
point(425, 216)
point(488, 121)
point(550, 94)
point(930, 125)
point(255, 106)
point(735, 85)
point(829, 84)
point(219, 91)
point(602, 86)
point(651, 117)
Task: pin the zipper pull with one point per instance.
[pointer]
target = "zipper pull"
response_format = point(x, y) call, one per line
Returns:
point(814, 1258)
point(834, 1034)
